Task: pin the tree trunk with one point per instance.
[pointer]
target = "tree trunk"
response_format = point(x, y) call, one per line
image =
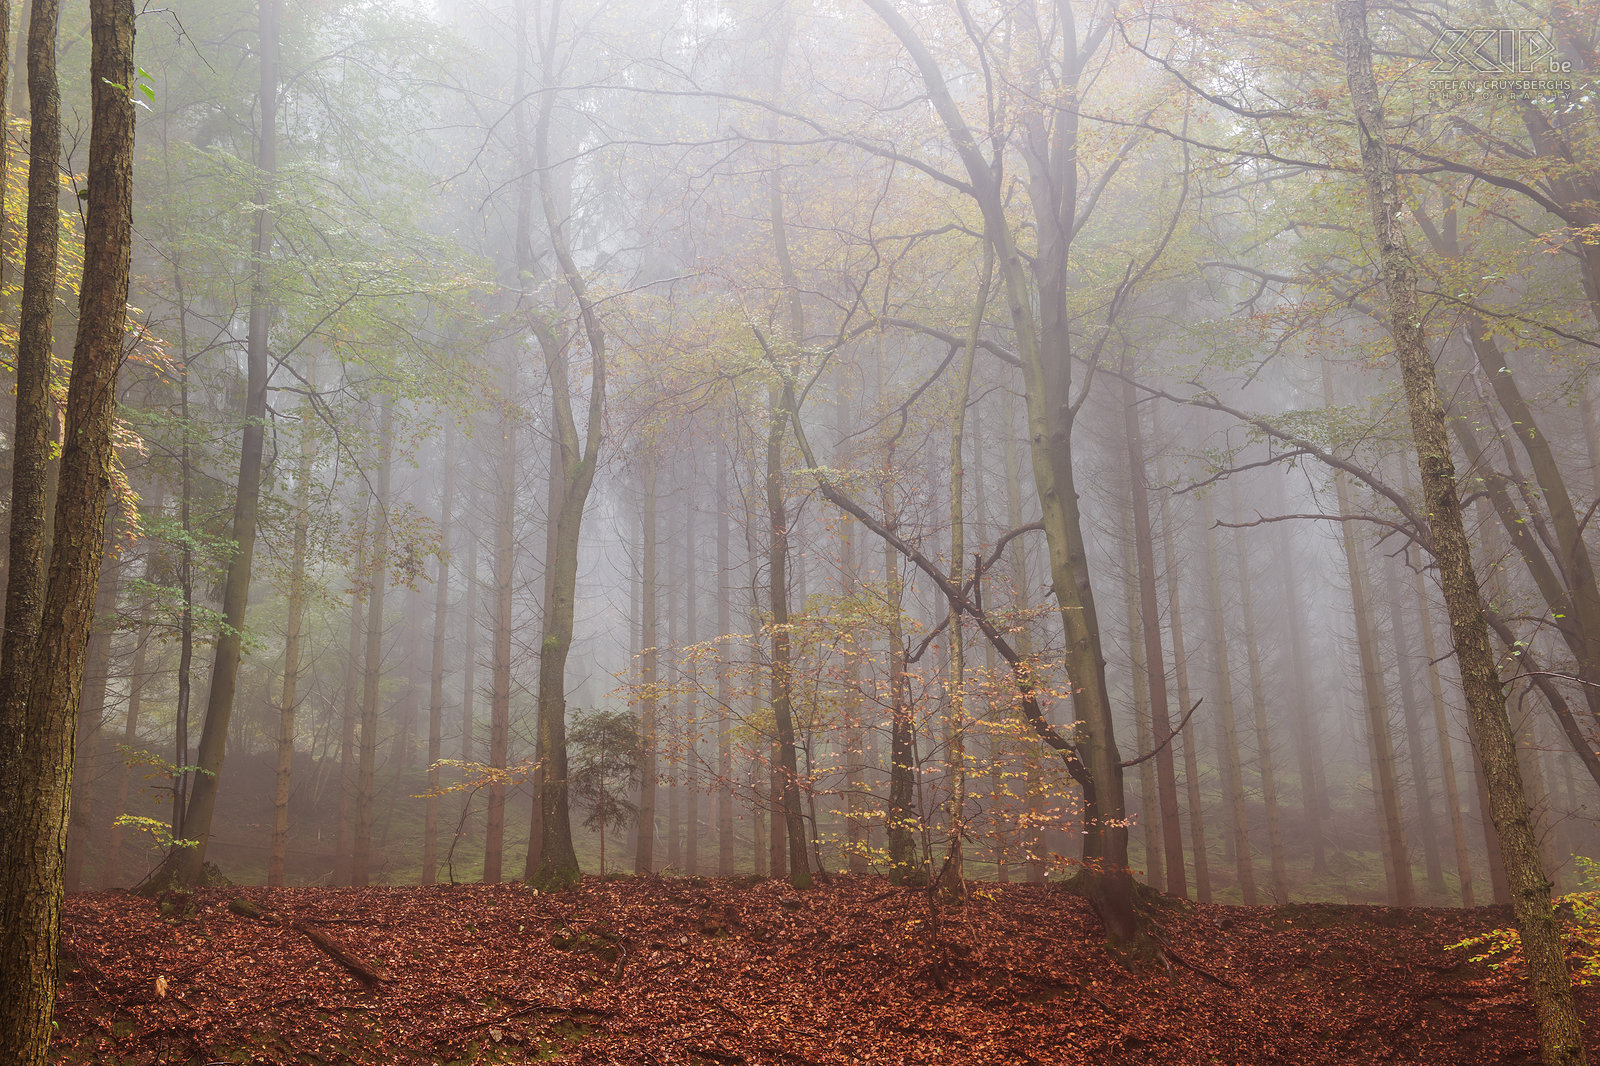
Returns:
point(32, 837)
point(1375, 702)
point(291, 650)
point(504, 577)
point(441, 615)
point(31, 428)
point(725, 859)
point(691, 744)
point(1033, 840)
point(1400, 635)
point(84, 832)
point(1155, 664)
point(1180, 662)
point(1308, 754)
point(344, 849)
point(1258, 702)
point(1441, 728)
point(1227, 729)
point(184, 864)
point(644, 854)
point(372, 671)
point(1560, 1034)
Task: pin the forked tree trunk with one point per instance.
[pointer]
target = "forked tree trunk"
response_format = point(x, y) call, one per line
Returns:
point(32, 837)
point(1560, 1034)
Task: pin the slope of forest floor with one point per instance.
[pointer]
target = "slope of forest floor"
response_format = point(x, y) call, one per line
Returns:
point(716, 972)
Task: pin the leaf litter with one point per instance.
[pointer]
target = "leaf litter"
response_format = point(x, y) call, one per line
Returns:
point(728, 971)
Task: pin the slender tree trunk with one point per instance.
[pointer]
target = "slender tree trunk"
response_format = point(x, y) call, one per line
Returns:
point(787, 764)
point(111, 875)
point(1441, 728)
point(691, 635)
point(372, 671)
point(1560, 1034)
point(504, 577)
point(1227, 729)
point(184, 864)
point(469, 654)
point(1400, 634)
point(441, 615)
point(344, 849)
point(1165, 772)
point(1180, 662)
point(1033, 839)
point(1375, 701)
point(32, 835)
point(1258, 702)
point(291, 651)
point(644, 854)
point(725, 841)
point(1313, 799)
point(31, 427)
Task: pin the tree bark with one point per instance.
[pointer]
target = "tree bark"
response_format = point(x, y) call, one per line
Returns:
point(725, 841)
point(504, 578)
point(1560, 1034)
point(32, 836)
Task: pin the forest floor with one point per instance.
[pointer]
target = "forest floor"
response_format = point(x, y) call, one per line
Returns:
point(717, 972)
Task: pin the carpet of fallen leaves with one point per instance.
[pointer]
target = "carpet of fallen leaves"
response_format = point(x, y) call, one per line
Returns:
point(713, 972)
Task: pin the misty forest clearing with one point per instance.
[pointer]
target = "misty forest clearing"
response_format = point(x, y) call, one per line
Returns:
point(761, 531)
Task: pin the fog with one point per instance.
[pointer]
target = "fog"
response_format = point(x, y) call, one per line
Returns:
point(955, 441)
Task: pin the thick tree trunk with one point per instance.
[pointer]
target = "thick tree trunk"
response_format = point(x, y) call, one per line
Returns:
point(1560, 1034)
point(32, 837)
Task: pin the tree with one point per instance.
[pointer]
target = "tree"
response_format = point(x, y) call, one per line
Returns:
point(1560, 1036)
point(40, 740)
point(604, 770)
